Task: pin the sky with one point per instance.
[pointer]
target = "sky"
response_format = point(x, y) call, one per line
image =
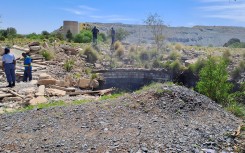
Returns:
point(28, 16)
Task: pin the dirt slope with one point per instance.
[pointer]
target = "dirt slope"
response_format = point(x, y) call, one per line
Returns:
point(164, 118)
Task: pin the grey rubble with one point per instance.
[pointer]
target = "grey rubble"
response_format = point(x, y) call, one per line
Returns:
point(174, 120)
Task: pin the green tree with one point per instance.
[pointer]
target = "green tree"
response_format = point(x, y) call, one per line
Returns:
point(45, 34)
point(69, 35)
point(213, 80)
point(121, 34)
point(11, 33)
point(156, 25)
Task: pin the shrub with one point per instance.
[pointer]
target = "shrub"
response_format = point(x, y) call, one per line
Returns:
point(178, 47)
point(133, 49)
point(196, 67)
point(69, 65)
point(2, 38)
point(91, 54)
point(48, 55)
point(120, 51)
point(237, 109)
point(232, 41)
point(144, 56)
point(85, 36)
point(226, 56)
point(117, 45)
point(213, 80)
point(242, 66)
point(174, 55)
point(157, 64)
point(121, 34)
point(102, 37)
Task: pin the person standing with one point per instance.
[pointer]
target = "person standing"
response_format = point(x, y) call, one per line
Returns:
point(9, 63)
point(113, 33)
point(28, 67)
point(95, 32)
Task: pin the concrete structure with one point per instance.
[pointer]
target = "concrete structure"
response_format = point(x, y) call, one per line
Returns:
point(73, 26)
point(132, 79)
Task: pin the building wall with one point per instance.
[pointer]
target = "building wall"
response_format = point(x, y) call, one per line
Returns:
point(132, 79)
point(73, 26)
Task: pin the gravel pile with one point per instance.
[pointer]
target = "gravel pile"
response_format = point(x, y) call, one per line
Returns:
point(164, 119)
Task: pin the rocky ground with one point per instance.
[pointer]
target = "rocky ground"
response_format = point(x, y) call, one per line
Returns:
point(163, 118)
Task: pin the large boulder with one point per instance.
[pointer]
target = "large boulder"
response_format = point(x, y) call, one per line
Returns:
point(34, 44)
point(55, 92)
point(35, 48)
point(38, 100)
point(47, 82)
point(84, 83)
point(45, 76)
point(94, 84)
point(87, 83)
point(70, 50)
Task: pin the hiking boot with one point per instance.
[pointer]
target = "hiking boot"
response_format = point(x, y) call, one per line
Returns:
point(10, 85)
point(13, 84)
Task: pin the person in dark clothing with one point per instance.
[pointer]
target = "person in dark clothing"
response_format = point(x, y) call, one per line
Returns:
point(95, 32)
point(28, 67)
point(9, 63)
point(113, 33)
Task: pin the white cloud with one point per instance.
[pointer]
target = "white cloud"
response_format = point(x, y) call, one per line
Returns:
point(111, 18)
point(223, 9)
point(75, 11)
point(87, 8)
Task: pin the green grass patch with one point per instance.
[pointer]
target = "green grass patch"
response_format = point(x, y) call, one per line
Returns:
point(45, 105)
point(237, 109)
point(79, 102)
point(112, 96)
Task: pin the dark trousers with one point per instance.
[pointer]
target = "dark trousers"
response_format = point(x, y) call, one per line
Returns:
point(10, 72)
point(27, 74)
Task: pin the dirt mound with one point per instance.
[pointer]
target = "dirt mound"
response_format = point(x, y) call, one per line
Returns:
point(163, 118)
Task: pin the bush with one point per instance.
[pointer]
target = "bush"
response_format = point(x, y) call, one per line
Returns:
point(232, 41)
point(213, 80)
point(178, 47)
point(85, 36)
point(117, 45)
point(2, 38)
point(196, 67)
point(237, 109)
point(144, 56)
point(120, 51)
point(157, 64)
point(237, 45)
point(48, 55)
point(121, 34)
point(132, 48)
point(102, 37)
point(91, 54)
point(174, 55)
point(69, 65)
point(226, 55)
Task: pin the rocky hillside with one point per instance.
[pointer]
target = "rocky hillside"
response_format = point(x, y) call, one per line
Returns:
point(197, 35)
point(162, 118)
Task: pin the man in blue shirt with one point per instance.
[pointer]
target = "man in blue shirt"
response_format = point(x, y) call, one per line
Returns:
point(28, 67)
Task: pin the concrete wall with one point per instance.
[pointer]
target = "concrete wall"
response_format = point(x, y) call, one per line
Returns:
point(73, 26)
point(132, 79)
